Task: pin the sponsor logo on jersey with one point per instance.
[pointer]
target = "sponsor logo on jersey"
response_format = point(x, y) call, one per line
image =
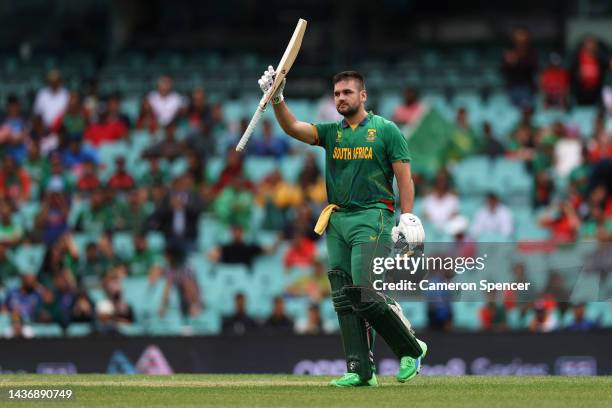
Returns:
point(338, 136)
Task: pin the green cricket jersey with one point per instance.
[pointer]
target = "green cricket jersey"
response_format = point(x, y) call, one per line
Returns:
point(358, 171)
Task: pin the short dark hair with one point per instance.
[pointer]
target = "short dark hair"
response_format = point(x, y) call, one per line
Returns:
point(347, 75)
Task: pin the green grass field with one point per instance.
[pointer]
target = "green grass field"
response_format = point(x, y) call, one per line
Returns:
point(300, 391)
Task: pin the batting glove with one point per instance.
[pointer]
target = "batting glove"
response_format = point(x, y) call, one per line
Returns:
point(410, 227)
point(265, 83)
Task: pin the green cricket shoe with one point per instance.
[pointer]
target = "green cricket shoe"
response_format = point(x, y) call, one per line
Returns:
point(354, 380)
point(409, 366)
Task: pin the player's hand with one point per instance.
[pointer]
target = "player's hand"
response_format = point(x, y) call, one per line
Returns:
point(266, 81)
point(410, 227)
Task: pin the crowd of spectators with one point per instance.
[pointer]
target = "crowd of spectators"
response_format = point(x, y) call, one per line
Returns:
point(56, 189)
point(571, 172)
point(52, 165)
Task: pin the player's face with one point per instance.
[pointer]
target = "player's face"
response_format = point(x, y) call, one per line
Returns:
point(349, 97)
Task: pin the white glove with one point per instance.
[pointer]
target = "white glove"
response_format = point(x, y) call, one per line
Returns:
point(266, 81)
point(410, 227)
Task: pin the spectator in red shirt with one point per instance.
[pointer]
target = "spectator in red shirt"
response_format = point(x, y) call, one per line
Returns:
point(555, 83)
point(301, 253)
point(14, 182)
point(199, 112)
point(493, 314)
point(588, 70)
point(543, 189)
point(112, 125)
point(121, 180)
point(146, 118)
point(232, 173)
point(411, 110)
point(564, 227)
point(600, 145)
point(89, 180)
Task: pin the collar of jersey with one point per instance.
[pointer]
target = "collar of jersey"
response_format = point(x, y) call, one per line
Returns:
point(365, 120)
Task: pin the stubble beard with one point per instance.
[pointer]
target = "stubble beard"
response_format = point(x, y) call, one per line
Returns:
point(351, 111)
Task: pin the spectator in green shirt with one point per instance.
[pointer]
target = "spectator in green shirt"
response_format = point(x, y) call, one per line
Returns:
point(7, 267)
point(11, 232)
point(98, 217)
point(144, 259)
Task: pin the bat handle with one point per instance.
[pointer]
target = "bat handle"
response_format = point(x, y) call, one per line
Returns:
point(249, 130)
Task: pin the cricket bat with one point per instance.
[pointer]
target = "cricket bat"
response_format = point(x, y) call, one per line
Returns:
point(282, 69)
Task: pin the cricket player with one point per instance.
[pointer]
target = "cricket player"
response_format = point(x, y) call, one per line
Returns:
point(363, 153)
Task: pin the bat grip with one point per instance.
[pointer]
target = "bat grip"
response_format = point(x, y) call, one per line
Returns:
point(249, 130)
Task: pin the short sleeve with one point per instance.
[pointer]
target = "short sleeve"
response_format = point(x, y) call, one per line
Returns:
point(325, 133)
point(397, 145)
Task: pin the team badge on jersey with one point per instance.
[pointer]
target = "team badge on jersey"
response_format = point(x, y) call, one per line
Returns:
point(338, 136)
point(371, 136)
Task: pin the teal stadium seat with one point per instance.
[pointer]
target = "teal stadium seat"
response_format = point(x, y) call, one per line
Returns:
point(211, 232)
point(256, 168)
point(46, 329)
point(297, 307)
point(587, 288)
point(171, 324)
point(416, 313)
point(268, 277)
point(5, 322)
point(387, 105)
point(108, 153)
point(156, 241)
point(131, 107)
point(27, 214)
point(82, 239)
point(133, 329)
point(548, 117)
point(96, 295)
point(516, 320)
point(467, 100)
point(178, 167)
point(469, 175)
point(536, 268)
point(326, 308)
point(526, 225)
point(214, 166)
point(206, 323)
point(233, 111)
point(469, 206)
point(79, 329)
point(513, 182)
point(290, 167)
point(502, 116)
point(201, 266)
point(302, 109)
point(584, 118)
point(466, 315)
point(123, 244)
point(226, 281)
point(29, 257)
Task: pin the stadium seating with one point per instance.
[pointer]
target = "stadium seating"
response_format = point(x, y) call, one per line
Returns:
point(448, 80)
point(465, 315)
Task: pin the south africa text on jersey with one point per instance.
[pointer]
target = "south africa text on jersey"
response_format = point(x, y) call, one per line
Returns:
point(352, 153)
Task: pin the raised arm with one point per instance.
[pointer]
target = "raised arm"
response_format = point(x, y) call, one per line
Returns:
point(302, 131)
